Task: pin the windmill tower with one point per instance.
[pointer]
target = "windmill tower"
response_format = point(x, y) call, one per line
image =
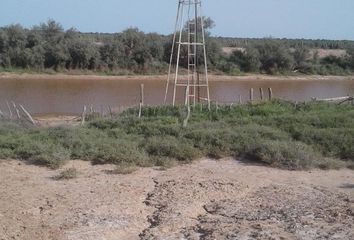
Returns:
point(188, 70)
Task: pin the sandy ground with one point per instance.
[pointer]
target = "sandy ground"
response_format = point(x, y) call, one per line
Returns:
point(164, 77)
point(57, 120)
point(207, 200)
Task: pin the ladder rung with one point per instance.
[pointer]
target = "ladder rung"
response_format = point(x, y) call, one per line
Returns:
point(187, 43)
point(191, 85)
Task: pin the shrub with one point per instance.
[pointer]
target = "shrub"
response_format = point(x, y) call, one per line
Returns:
point(6, 153)
point(218, 141)
point(78, 141)
point(213, 142)
point(67, 174)
point(171, 147)
point(163, 162)
point(331, 163)
point(116, 152)
point(124, 169)
point(284, 154)
point(50, 156)
point(283, 134)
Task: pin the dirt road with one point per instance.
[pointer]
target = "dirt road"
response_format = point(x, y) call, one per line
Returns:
point(206, 200)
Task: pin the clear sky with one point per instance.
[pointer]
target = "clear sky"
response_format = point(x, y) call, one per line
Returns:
point(329, 19)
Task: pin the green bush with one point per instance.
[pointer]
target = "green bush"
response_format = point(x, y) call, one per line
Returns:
point(117, 152)
point(284, 154)
point(171, 147)
point(41, 153)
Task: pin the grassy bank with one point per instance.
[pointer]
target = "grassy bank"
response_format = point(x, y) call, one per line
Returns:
point(280, 134)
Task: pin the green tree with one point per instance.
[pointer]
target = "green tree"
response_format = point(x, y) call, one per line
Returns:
point(208, 25)
point(56, 56)
point(4, 61)
point(247, 60)
point(302, 59)
point(112, 54)
point(238, 58)
point(350, 58)
point(274, 57)
point(15, 45)
point(83, 54)
point(335, 62)
point(3, 40)
point(56, 48)
point(34, 38)
point(252, 60)
point(52, 31)
point(135, 48)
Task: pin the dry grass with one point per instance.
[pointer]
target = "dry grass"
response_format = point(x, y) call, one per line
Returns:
point(67, 174)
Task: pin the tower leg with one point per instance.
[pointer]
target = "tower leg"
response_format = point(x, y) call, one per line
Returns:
point(178, 58)
point(172, 52)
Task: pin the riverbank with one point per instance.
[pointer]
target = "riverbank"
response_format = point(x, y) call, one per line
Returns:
point(280, 134)
point(212, 77)
point(225, 199)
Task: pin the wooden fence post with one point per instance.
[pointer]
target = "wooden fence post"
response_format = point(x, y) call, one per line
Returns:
point(142, 94)
point(110, 111)
point(140, 109)
point(185, 121)
point(141, 103)
point(240, 99)
point(270, 93)
point(91, 109)
point(251, 95)
point(261, 93)
point(83, 116)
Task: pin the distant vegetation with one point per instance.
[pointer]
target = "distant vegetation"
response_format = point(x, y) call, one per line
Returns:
point(279, 134)
point(48, 48)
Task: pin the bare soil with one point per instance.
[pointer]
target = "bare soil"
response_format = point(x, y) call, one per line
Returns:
point(57, 120)
point(208, 199)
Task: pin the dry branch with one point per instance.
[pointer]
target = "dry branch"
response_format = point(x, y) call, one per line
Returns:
point(28, 115)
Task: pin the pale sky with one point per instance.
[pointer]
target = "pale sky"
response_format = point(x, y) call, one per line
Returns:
point(325, 19)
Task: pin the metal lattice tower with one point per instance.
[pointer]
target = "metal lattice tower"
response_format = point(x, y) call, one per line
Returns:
point(189, 52)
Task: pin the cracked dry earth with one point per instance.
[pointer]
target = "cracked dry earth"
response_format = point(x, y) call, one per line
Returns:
point(208, 199)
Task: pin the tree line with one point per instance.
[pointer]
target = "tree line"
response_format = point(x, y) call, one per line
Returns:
point(290, 43)
point(272, 57)
point(49, 46)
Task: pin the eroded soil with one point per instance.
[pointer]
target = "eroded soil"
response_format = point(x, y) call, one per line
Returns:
point(206, 200)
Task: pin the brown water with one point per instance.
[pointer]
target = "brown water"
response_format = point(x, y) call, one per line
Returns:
point(68, 96)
